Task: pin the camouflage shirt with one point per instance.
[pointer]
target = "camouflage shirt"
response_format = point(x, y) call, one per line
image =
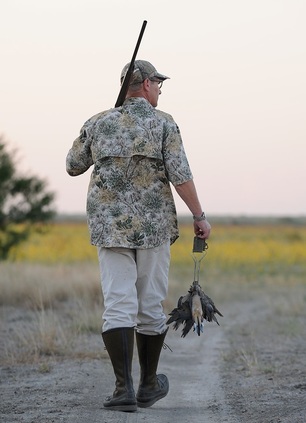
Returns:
point(136, 151)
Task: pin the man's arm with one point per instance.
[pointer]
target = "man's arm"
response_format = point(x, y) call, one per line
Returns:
point(79, 158)
point(188, 194)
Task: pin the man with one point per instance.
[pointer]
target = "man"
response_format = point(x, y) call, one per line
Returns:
point(136, 152)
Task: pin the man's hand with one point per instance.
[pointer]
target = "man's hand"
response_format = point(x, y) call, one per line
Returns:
point(202, 229)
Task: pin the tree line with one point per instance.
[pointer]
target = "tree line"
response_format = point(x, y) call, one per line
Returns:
point(25, 202)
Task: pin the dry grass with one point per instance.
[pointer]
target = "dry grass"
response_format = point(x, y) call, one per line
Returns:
point(37, 285)
point(48, 311)
point(51, 302)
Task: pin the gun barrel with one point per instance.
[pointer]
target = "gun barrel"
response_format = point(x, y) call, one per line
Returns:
point(128, 75)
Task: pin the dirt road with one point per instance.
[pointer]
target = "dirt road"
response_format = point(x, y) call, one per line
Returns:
point(250, 369)
point(73, 391)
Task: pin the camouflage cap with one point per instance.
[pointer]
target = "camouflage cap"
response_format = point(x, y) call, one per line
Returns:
point(142, 71)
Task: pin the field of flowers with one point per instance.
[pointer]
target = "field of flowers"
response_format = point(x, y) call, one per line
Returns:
point(246, 247)
point(50, 293)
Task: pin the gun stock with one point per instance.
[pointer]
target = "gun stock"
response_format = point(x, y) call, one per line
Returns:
point(129, 73)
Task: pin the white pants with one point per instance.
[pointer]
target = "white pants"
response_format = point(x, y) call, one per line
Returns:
point(134, 284)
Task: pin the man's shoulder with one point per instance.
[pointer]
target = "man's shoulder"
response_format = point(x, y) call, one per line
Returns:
point(102, 115)
point(164, 115)
point(168, 119)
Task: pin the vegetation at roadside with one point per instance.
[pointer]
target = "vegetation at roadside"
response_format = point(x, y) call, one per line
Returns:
point(25, 203)
point(249, 248)
point(50, 294)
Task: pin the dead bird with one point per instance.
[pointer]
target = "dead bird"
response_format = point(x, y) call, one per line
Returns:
point(192, 309)
point(197, 311)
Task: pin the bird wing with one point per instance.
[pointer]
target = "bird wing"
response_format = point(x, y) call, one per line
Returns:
point(183, 299)
point(209, 308)
point(179, 314)
point(188, 325)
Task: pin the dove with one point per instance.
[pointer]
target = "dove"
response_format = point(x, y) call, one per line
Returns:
point(197, 312)
point(192, 309)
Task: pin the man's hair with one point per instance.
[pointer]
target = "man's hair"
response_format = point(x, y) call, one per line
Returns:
point(135, 87)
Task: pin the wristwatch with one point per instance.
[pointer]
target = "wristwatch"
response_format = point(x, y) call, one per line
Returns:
point(199, 218)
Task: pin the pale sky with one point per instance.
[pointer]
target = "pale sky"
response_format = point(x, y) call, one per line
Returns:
point(237, 90)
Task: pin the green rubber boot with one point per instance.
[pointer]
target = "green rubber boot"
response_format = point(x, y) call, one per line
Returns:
point(152, 387)
point(119, 344)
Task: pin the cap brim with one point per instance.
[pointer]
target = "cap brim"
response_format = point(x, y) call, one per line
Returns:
point(160, 76)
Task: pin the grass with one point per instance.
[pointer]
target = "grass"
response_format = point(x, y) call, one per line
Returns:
point(50, 294)
point(230, 246)
point(49, 311)
point(37, 285)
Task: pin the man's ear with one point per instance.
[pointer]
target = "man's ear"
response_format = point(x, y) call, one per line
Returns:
point(146, 85)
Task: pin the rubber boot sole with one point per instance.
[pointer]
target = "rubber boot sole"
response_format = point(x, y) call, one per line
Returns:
point(153, 398)
point(126, 408)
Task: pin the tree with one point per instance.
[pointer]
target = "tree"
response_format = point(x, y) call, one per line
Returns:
point(24, 203)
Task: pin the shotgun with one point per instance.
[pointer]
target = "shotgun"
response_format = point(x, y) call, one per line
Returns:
point(128, 75)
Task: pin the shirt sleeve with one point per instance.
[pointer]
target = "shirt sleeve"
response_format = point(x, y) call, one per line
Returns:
point(79, 157)
point(175, 159)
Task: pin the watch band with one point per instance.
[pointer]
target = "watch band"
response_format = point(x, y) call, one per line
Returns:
point(199, 218)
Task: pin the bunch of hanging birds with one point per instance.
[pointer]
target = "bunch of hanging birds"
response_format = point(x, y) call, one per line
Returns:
point(194, 307)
